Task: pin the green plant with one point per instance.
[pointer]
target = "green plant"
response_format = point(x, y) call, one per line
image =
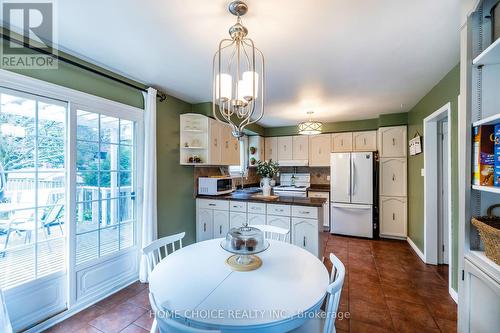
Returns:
point(267, 169)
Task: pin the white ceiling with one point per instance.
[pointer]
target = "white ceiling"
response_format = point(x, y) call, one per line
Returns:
point(345, 60)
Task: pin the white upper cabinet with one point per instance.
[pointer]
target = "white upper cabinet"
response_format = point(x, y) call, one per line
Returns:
point(300, 147)
point(364, 141)
point(285, 148)
point(215, 142)
point(393, 177)
point(319, 150)
point(341, 142)
point(392, 141)
point(271, 147)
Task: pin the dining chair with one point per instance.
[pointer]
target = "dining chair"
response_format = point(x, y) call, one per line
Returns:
point(168, 325)
point(5, 325)
point(154, 255)
point(334, 289)
point(273, 232)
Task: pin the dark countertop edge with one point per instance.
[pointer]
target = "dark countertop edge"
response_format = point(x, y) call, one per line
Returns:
point(312, 202)
point(319, 188)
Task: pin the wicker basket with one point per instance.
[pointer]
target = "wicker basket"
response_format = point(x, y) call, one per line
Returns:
point(489, 231)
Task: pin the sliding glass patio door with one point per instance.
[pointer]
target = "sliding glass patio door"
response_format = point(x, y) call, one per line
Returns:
point(33, 175)
point(69, 180)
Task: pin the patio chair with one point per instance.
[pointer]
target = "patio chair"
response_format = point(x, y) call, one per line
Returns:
point(27, 225)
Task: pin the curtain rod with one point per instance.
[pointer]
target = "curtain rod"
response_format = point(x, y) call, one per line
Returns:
point(161, 95)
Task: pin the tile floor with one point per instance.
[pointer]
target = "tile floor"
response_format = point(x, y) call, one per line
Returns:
point(387, 289)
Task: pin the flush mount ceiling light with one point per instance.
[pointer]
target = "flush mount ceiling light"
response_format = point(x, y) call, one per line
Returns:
point(238, 77)
point(310, 127)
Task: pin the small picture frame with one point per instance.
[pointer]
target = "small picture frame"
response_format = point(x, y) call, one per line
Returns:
point(415, 145)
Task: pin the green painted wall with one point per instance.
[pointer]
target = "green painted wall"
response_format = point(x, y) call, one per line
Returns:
point(176, 205)
point(346, 126)
point(445, 91)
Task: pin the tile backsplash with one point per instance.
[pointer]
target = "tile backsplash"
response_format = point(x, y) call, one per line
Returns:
point(319, 176)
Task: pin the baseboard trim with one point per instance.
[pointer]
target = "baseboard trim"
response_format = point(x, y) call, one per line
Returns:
point(416, 249)
point(453, 294)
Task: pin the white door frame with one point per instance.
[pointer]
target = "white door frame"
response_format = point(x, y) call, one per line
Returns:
point(431, 165)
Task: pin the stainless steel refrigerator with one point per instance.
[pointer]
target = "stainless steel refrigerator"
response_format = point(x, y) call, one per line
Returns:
point(353, 183)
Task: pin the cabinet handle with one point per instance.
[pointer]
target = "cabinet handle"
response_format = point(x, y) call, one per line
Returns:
point(204, 227)
point(304, 241)
point(227, 144)
point(319, 151)
point(364, 141)
point(393, 177)
point(393, 141)
point(220, 230)
point(393, 216)
point(284, 147)
point(304, 212)
point(342, 142)
point(215, 142)
point(211, 204)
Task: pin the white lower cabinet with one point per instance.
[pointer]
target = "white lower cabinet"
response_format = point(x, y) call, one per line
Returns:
point(214, 218)
point(279, 221)
point(221, 223)
point(305, 234)
point(256, 219)
point(393, 217)
point(204, 224)
point(237, 219)
point(479, 310)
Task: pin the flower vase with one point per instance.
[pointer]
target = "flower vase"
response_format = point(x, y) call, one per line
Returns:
point(265, 184)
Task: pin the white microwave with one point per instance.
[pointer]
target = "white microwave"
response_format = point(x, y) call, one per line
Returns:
point(215, 186)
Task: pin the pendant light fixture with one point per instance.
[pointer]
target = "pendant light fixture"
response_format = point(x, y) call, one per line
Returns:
point(310, 127)
point(238, 77)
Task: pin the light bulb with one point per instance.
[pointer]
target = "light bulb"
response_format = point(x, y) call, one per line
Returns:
point(248, 92)
point(225, 89)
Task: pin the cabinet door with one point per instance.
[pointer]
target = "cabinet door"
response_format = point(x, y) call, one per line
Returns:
point(392, 141)
point(300, 147)
point(234, 150)
point(364, 141)
point(271, 146)
point(326, 206)
point(215, 142)
point(204, 224)
point(480, 311)
point(221, 223)
point(278, 221)
point(284, 148)
point(319, 150)
point(305, 234)
point(393, 216)
point(393, 177)
point(226, 145)
point(256, 219)
point(341, 142)
point(237, 219)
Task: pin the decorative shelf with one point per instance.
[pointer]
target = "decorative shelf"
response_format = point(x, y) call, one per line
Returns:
point(194, 148)
point(491, 189)
point(490, 56)
point(491, 120)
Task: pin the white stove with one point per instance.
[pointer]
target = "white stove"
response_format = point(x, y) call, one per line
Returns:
point(293, 185)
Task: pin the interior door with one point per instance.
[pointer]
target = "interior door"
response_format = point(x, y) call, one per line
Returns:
point(340, 177)
point(444, 166)
point(362, 178)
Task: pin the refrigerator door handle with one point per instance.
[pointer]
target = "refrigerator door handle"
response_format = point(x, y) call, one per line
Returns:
point(353, 177)
point(350, 206)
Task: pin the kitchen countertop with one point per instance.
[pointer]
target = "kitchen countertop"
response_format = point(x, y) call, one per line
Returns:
point(319, 188)
point(239, 196)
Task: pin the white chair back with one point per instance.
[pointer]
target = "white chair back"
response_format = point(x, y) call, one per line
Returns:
point(168, 325)
point(333, 293)
point(154, 250)
point(273, 232)
point(5, 325)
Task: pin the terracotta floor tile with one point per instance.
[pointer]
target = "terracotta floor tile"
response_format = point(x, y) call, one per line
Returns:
point(146, 320)
point(360, 327)
point(141, 300)
point(87, 329)
point(447, 326)
point(91, 313)
point(370, 313)
point(370, 292)
point(118, 318)
point(415, 313)
point(405, 326)
point(69, 325)
point(134, 329)
point(444, 308)
point(402, 293)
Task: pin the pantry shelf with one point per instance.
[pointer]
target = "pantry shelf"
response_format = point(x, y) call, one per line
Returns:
point(490, 56)
point(491, 120)
point(490, 189)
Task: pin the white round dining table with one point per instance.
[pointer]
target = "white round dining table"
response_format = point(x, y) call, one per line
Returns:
point(197, 287)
